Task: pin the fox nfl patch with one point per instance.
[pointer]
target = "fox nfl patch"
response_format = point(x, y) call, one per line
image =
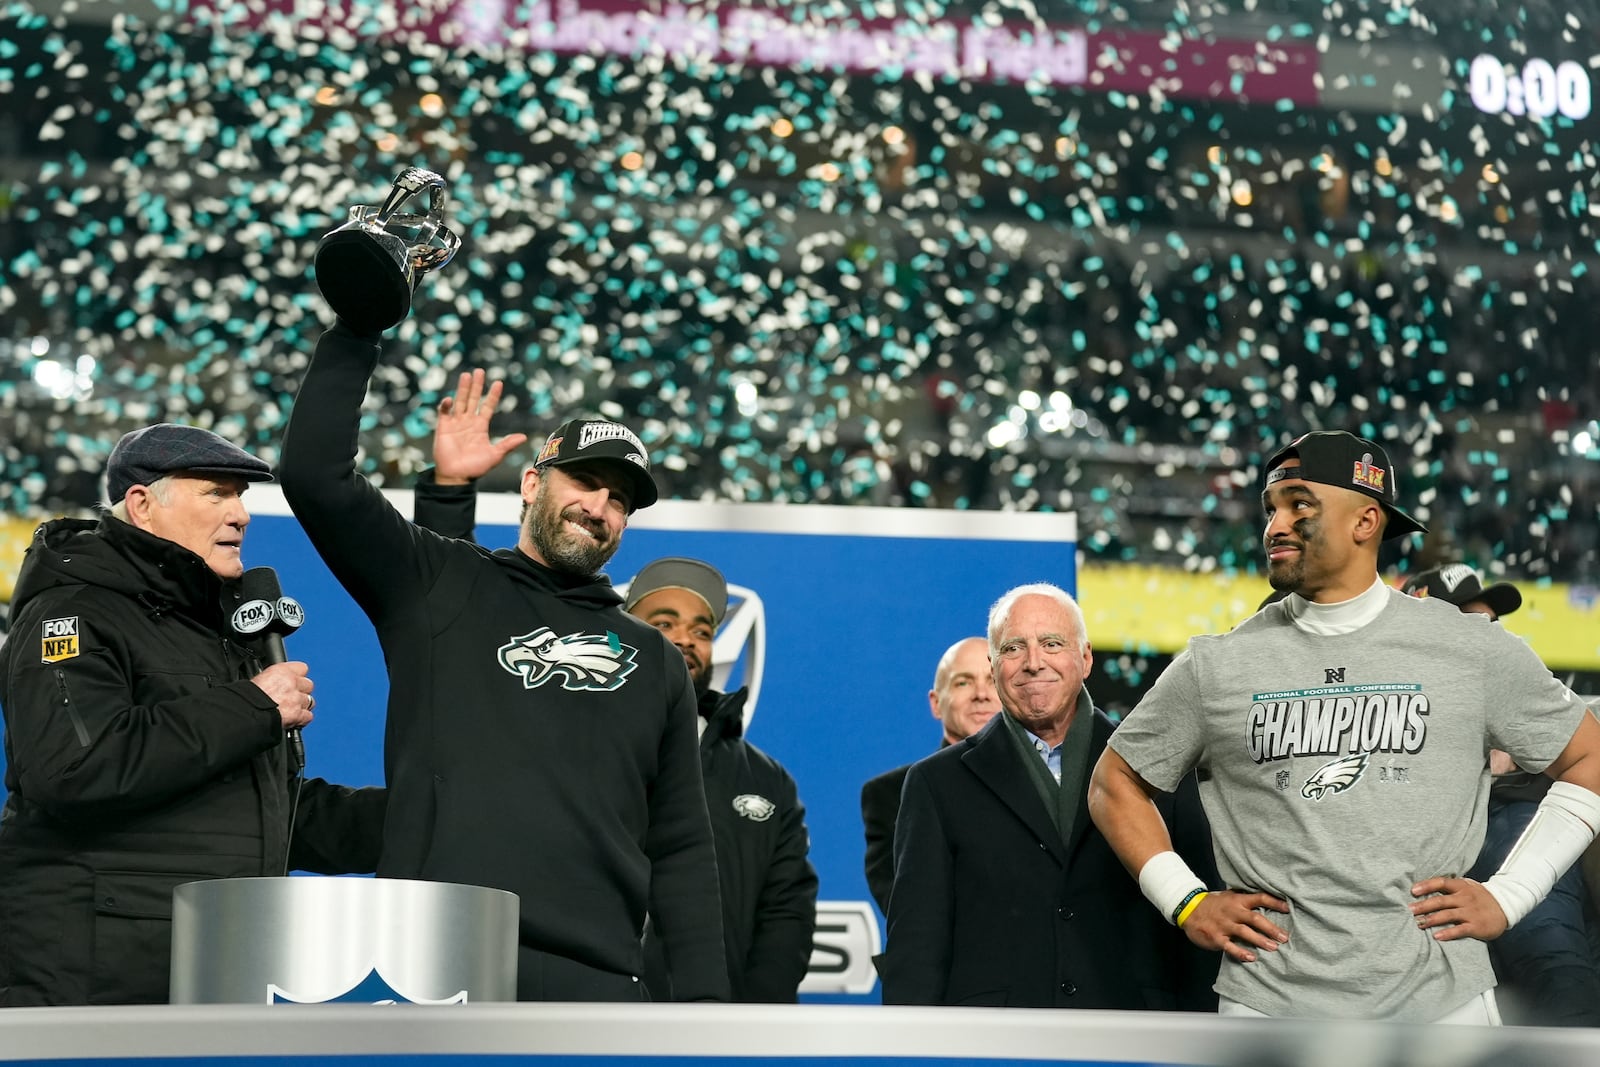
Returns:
point(59, 640)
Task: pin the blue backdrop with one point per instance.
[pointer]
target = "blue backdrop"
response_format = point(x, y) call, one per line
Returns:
point(859, 605)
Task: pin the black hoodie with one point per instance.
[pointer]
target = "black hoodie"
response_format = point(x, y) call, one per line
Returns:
point(768, 886)
point(139, 756)
point(539, 740)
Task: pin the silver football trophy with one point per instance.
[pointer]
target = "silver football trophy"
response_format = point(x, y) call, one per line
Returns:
point(368, 268)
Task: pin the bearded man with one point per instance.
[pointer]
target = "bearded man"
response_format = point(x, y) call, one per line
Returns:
point(540, 740)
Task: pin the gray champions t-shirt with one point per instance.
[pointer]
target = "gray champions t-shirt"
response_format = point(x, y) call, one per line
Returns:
point(1339, 771)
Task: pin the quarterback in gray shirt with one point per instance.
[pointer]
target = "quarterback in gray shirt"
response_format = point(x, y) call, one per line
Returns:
point(1342, 739)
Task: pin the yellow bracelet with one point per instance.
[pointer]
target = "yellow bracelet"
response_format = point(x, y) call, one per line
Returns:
point(1188, 909)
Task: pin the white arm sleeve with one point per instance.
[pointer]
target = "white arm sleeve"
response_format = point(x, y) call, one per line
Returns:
point(1561, 828)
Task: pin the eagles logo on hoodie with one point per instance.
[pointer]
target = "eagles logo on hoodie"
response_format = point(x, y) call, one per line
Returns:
point(580, 661)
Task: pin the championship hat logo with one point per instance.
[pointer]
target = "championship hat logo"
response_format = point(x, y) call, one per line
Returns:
point(1369, 474)
point(551, 447)
point(592, 433)
point(1453, 574)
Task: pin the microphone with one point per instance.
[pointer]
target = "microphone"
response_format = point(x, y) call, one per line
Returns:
point(264, 619)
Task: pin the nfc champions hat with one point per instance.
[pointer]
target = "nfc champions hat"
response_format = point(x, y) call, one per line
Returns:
point(678, 572)
point(1333, 457)
point(1458, 584)
point(143, 456)
point(587, 440)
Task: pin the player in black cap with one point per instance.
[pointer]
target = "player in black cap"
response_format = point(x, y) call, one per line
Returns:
point(768, 886)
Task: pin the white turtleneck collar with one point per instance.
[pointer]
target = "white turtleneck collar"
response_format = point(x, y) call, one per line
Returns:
point(1346, 616)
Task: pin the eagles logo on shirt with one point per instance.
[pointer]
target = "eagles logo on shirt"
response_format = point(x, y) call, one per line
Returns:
point(1335, 777)
point(579, 661)
point(754, 807)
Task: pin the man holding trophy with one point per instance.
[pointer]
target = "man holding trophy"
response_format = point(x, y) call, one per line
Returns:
point(539, 739)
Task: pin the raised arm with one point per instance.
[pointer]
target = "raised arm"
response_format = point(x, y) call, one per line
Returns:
point(380, 558)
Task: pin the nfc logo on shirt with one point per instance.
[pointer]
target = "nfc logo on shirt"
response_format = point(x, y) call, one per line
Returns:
point(58, 639)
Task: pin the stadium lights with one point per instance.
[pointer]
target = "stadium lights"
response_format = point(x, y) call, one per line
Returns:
point(747, 398)
point(1002, 434)
point(63, 382)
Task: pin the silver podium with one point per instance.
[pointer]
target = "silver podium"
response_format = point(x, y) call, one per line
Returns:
point(342, 940)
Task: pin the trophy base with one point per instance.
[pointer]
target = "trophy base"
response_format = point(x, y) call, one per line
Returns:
point(361, 282)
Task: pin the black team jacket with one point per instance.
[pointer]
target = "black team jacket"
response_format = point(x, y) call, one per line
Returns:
point(539, 739)
point(769, 888)
point(139, 755)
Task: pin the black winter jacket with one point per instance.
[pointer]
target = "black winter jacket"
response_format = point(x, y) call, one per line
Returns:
point(539, 740)
point(139, 756)
point(769, 888)
point(993, 906)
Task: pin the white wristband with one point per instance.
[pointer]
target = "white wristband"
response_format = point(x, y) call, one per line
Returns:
point(1167, 882)
point(1560, 830)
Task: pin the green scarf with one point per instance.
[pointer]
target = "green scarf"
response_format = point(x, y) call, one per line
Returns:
point(1064, 799)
